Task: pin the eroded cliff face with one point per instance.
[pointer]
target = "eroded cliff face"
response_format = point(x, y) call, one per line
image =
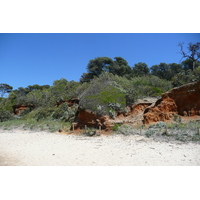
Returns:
point(70, 102)
point(184, 101)
point(17, 109)
point(90, 119)
point(139, 108)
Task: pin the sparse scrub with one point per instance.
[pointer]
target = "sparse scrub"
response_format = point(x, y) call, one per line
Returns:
point(149, 133)
point(177, 118)
point(90, 132)
point(178, 131)
point(159, 125)
point(126, 130)
point(116, 127)
point(34, 125)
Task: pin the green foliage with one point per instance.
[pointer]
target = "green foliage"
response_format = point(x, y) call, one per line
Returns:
point(90, 132)
point(33, 124)
point(149, 133)
point(177, 118)
point(159, 125)
point(119, 67)
point(44, 96)
point(99, 65)
point(63, 112)
point(126, 130)
point(63, 89)
point(106, 89)
point(116, 127)
point(96, 67)
point(149, 86)
point(5, 115)
point(25, 112)
point(140, 69)
point(43, 113)
point(108, 93)
point(165, 71)
point(5, 88)
point(185, 77)
point(110, 99)
point(103, 96)
point(192, 56)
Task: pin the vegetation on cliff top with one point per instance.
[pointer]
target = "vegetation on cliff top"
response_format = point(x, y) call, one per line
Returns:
point(109, 86)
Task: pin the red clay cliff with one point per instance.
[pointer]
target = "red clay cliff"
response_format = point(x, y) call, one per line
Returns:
point(184, 101)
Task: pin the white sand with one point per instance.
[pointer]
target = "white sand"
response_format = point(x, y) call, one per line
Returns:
point(25, 148)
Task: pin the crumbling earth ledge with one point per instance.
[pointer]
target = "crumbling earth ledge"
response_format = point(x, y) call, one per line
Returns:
point(183, 101)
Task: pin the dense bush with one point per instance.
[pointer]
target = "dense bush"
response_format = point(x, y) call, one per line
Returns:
point(5, 115)
point(103, 96)
point(63, 112)
point(186, 76)
point(43, 113)
point(150, 86)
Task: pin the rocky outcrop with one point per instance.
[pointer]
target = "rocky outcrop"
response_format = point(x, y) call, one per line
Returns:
point(70, 102)
point(184, 101)
point(85, 118)
point(139, 108)
point(17, 109)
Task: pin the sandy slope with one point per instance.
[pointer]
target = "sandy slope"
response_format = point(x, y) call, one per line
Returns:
point(25, 148)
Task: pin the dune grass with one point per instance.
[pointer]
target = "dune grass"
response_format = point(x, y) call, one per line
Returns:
point(33, 124)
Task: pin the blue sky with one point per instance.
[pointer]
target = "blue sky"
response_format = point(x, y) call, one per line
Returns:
point(27, 59)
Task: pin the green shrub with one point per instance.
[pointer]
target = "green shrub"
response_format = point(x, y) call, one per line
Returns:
point(126, 130)
point(177, 118)
point(116, 127)
point(61, 112)
point(43, 113)
point(159, 125)
point(104, 101)
point(90, 132)
point(149, 133)
point(25, 112)
point(5, 115)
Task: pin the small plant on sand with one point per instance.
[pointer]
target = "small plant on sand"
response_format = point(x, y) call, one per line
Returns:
point(149, 133)
point(116, 127)
point(90, 132)
point(126, 130)
point(177, 118)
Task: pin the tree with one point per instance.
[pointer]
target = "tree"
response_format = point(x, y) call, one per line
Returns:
point(5, 88)
point(99, 65)
point(86, 77)
point(38, 87)
point(140, 69)
point(161, 70)
point(120, 67)
point(95, 67)
point(193, 54)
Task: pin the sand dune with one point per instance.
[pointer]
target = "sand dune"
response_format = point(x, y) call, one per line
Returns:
point(26, 148)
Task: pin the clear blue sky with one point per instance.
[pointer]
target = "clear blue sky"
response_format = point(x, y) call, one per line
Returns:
point(27, 59)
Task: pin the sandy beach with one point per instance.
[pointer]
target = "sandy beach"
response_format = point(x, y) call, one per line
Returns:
point(26, 148)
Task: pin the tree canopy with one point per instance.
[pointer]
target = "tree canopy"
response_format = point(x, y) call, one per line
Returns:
point(194, 53)
point(140, 69)
point(5, 88)
point(97, 66)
